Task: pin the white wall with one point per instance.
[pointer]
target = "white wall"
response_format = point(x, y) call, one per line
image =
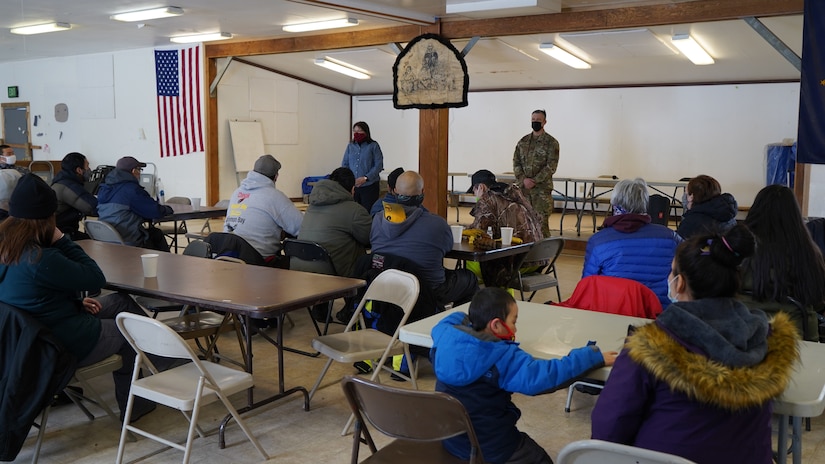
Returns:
point(660, 133)
point(305, 127)
point(112, 113)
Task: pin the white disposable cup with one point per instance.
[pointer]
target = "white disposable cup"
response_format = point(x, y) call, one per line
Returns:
point(150, 265)
point(506, 236)
point(457, 230)
point(196, 204)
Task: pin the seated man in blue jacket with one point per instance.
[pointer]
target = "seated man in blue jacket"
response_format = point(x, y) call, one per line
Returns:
point(126, 205)
point(424, 239)
point(477, 361)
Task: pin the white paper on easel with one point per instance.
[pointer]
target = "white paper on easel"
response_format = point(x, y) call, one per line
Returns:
point(247, 143)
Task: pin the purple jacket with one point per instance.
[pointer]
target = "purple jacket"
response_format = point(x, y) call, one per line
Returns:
point(698, 383)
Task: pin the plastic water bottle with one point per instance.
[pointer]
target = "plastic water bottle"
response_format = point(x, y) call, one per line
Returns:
point(161, 192)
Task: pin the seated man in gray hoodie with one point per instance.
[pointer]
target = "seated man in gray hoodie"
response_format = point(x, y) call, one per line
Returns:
point(260, 213)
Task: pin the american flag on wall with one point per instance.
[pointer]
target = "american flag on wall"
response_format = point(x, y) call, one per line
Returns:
point(180, 118)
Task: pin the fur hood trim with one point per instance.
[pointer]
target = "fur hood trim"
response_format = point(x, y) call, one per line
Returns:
point(710, 382)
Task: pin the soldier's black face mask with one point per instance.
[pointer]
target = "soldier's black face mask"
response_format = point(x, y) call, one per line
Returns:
point(536, 125)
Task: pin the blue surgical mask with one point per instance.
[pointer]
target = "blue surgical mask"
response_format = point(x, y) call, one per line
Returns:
point(670, 295)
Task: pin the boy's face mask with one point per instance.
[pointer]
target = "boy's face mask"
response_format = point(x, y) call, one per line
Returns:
point(509, 336)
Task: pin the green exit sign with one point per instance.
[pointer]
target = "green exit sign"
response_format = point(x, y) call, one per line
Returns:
point(13, 93)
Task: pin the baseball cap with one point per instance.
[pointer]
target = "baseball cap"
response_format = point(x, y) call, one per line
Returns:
point(482, 176)
point(127, 163)
point(267, 165)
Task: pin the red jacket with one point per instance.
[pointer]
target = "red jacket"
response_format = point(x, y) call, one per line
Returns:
point(614, 295)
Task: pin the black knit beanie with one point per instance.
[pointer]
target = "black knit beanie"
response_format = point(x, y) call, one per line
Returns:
point(32, 199)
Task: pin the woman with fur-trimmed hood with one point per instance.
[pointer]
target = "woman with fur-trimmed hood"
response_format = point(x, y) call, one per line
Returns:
point(698, 382)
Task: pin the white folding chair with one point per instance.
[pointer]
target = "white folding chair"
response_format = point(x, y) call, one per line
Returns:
point(599, 452)
point(391, 286)
point(185, 388)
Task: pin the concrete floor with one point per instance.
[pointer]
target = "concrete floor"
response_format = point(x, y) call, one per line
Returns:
point(291, 435)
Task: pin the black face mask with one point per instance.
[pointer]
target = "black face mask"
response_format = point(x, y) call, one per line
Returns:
point(536, 125)
point(407, 200)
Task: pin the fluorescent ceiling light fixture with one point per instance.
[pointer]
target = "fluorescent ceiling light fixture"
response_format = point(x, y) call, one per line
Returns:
point(469, 6)
point(691, 49)
point(373, 9)
point(341, 67)
point(321, 25)
point(182, 39)
point(564, 56)
point(144, 15)
point(41, 28)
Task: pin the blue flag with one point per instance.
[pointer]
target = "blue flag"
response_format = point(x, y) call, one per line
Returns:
point(811, 137)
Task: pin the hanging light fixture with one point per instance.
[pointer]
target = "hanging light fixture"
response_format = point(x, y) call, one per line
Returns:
point(41, 28)
point(145, 15)
point(691, 49)
point(341, 67)
point(564, 56)
point(201, 37)
point(321, 25)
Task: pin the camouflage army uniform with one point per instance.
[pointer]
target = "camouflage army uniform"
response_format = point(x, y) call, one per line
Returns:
point(505, 207)
point(537, 158)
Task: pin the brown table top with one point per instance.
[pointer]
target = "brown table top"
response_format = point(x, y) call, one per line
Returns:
point(466, 252)
point(255, 291)
point(184, 212)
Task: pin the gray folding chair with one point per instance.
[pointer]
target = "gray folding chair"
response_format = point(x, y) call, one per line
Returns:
point(206, 228)
point(548, 251)
point(315, 257)
point(418, 420)
point(169, 229)
point(600, 452)
point(102, 231)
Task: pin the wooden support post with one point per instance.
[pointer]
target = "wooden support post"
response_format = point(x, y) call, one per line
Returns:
point(801, 186)
point(433, 138)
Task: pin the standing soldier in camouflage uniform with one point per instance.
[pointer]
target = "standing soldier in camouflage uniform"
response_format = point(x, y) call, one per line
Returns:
point(534, 163)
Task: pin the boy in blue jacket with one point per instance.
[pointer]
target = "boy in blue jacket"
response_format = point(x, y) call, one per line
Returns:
point(477, 360)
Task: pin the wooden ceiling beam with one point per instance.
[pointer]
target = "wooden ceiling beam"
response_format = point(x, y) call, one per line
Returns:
point(309, 43)
point(621, 18)
point(572, 21)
